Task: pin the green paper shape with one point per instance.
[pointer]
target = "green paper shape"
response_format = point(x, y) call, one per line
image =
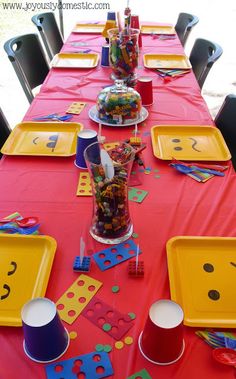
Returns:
point(141, 374)
point(137, 195)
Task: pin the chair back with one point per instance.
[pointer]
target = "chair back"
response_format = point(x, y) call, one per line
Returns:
point(225, 120)
point(184, 25)
point(202, 57)
point(49, 32)
point(4, 130)
point(28, 60)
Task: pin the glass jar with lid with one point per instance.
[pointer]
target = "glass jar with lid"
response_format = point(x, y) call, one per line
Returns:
point(119, 104)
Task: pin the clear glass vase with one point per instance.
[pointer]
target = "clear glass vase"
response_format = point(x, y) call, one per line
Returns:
point(123, 54)
point(109, 173)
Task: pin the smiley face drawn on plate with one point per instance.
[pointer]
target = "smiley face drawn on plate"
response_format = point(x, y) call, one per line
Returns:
point(6, 290)
point(214, 293)
point(179, 144)
point(48, 141)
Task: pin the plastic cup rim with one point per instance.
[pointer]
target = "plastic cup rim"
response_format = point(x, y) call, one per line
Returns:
point(51, 360)
point(156, 362)
point(83, 168)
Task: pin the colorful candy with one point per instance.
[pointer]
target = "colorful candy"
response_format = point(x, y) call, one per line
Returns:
point(119, 104)
point(111, 214)
point(123, 52)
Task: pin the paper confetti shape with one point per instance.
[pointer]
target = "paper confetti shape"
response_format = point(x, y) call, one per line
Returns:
point(95, 365)
point(137, 195)
point(143, 374)
point(84, 186)
point(114, 323)
point(112, 256)
point(76, 297)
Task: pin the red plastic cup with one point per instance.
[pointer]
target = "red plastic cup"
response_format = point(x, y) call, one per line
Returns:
point(134, 23)
point(161, 342)
point(144, 88)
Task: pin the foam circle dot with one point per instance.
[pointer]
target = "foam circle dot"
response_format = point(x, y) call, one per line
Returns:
point(115, 289)
point(132, 315)
point(128, 340)
point(73, 335)
point(99, 347)
point(119, 345)
point(107, 348)
point(135, 235)
point(106, 327)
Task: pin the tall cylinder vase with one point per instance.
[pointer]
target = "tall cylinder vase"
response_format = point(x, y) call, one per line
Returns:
point(109, 171)
point(124, 52)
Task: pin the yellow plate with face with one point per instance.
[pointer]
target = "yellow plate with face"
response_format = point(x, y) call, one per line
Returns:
point(170, 61)
point(76, 60)
point(158, 29)
point(202, 276)
point(88, 28)
point(25, 265)
point(189, 142)
point(53, 139)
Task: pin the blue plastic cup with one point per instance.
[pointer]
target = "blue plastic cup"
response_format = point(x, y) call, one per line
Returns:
point(105, 56)
point(45, 337)
point(84, 139)
point(111, 16)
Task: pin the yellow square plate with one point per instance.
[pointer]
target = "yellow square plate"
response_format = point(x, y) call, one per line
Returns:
point(166, 61)
point(88, 28)
point(158, 29)
point(25, 265)
point(202, 276)
point(43, 138)
point(197, 143)
point(76, 60)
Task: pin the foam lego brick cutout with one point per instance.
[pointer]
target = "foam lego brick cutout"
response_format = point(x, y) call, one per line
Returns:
point(136, 272)
point(102, 315)
point(85, 266)
point(143, 374)
point(84, 185)
point(76, 297)
point(76, 108)
point(112, 256)
point(95, 365)
point(112, 145)
point(137, 195)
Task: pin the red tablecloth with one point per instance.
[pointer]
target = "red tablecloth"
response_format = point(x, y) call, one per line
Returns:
point(175, 205)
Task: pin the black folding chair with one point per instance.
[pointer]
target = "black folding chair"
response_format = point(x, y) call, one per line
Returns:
point(184, 25)
point(4, 130)
point(49, 31)
point(202, 57)
point(28, 60)
point(225, 120)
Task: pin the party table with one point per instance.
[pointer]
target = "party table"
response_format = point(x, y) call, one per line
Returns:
point(175, 205)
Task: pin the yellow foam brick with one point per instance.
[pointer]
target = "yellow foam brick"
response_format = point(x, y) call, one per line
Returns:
point(84, 186)
point(76, 108)
point(112, 145)
point(77, 296)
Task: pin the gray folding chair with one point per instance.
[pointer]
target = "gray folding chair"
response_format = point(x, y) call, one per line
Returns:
point(4, 130)
point(202, 57)
point(184, 25)
point(225, 120)
point(50, 33)
point(28, 60)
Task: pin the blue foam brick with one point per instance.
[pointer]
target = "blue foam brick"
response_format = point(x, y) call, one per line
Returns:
point(85, 266)
point(112, 256)
point(63, 369)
